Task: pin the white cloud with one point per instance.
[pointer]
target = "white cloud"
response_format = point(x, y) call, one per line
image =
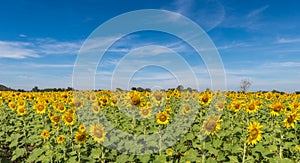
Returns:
point(16, 50)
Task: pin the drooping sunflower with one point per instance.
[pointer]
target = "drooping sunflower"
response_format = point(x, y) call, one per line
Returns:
point(21, 110)
point(255, 133)
point(97, 132)
point(40, 108)
point(291, 119)
point(145, 112)
point(55, 118)
point(60, 139)
point(45, 134)
point(211, 125)
point(81, 137)
point(276, 108)
point(162, 118)
point(69, 119)
point(251, 107)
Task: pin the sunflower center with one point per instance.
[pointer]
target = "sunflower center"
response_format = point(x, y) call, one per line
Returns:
point(145, 111)
point(41, 107)
point(158, 97)
point(163, 118)
point(69, 119)
point(82, 137)
point(254, 133)
point(277, 107)
point(205, 99)
point(290, 119)
point(98, 133)
point(251, 107)
point(21, 110)
point(135, 100)
point(211, 125)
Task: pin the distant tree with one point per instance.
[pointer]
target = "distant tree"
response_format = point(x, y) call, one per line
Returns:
point(148, 89)
point(35, 89)
point(133, 88)
point(69, 89)
point(189, 89)
point(140, 89)
point(180, 88)
point(245, 85)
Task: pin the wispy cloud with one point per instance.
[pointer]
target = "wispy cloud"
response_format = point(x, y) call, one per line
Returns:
point(257, 11)
point(207, 13)
point(16, 50)
point(287, 40)
point(37, 48)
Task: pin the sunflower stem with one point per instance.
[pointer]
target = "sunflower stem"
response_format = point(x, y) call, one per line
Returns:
point(244, 152)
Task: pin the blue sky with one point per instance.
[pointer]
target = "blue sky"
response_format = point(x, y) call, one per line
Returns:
point(257, 40)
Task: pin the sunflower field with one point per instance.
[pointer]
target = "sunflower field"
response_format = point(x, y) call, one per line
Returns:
point(156, 126)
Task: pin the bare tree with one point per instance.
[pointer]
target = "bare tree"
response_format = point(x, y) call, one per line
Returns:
point(245, 85)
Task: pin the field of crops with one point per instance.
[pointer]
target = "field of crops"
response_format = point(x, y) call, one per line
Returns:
point(190, 126)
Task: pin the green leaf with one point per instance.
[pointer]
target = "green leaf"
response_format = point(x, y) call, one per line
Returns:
point(121, 158)
point(217, 143)
point(233, 159)
point(14, 143)
point(18, 153)
point(95, 153)
point(210, 160)
point(160, 159)
point(144, 158)
point(36, 153)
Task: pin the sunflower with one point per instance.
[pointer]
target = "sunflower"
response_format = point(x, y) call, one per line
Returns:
point(60, 139)
point(12, 105)
point(162, 118)
point(97, 132)
point(276, 107)
point(60, 107)
point(220, 104)
point(78, 103)
point(251, 107)
point(81, 137)
point(236, 105)
point(95, 108)
point(294, 106)
point(186, 108)
point(55, 118)
point(55, 126)
point(21, 103)
point(45, 134)
point(40, 108)
point(255, 133)
point(211, 125)
point(81, 128)
point(69, 119)
point(169, 152)
point(291, 118)
point(21, 110)
point(145, 112)
point(204, 98)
